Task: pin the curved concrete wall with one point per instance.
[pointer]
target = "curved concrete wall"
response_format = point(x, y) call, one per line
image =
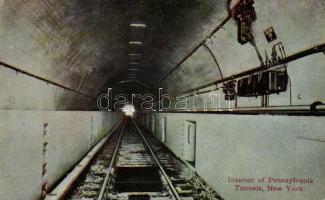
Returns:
point(298, 25)
point(70, 136)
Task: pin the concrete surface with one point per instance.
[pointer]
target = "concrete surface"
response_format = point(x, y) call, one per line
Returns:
point(72, 43)
point(86, 43)
point(249, 146)
point(297, 25)
point(21, 143)
point(20, 92)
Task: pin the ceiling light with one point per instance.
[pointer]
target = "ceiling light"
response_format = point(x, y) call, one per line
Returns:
point(133, 63)
point(135, 43)
point(134, 54)
point(138, 25)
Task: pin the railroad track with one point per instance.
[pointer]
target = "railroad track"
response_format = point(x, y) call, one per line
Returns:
point(86, 179)
point(89, 187)
point(135, 171)
point(187, 183)
point(131, 165)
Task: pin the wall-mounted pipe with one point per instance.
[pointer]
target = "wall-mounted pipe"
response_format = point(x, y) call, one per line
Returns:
point(315, 49)
point(44, 79)
point(294, 110)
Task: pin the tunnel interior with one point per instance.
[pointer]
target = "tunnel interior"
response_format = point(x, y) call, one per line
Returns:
point(233, 88)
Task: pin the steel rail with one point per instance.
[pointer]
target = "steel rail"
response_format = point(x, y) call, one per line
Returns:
point(65, 186)
point(169, 181)
point(102, 191)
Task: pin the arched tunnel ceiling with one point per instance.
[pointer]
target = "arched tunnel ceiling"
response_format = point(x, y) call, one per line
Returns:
point(89, 46)
point(85, 44)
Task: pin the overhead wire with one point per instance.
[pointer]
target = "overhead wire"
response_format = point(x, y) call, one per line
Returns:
point(214, 57)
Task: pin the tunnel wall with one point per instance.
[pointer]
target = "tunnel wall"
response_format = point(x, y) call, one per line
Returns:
point(26, 93)
point(251, 146)
point(70, 136)
point(297, 25)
